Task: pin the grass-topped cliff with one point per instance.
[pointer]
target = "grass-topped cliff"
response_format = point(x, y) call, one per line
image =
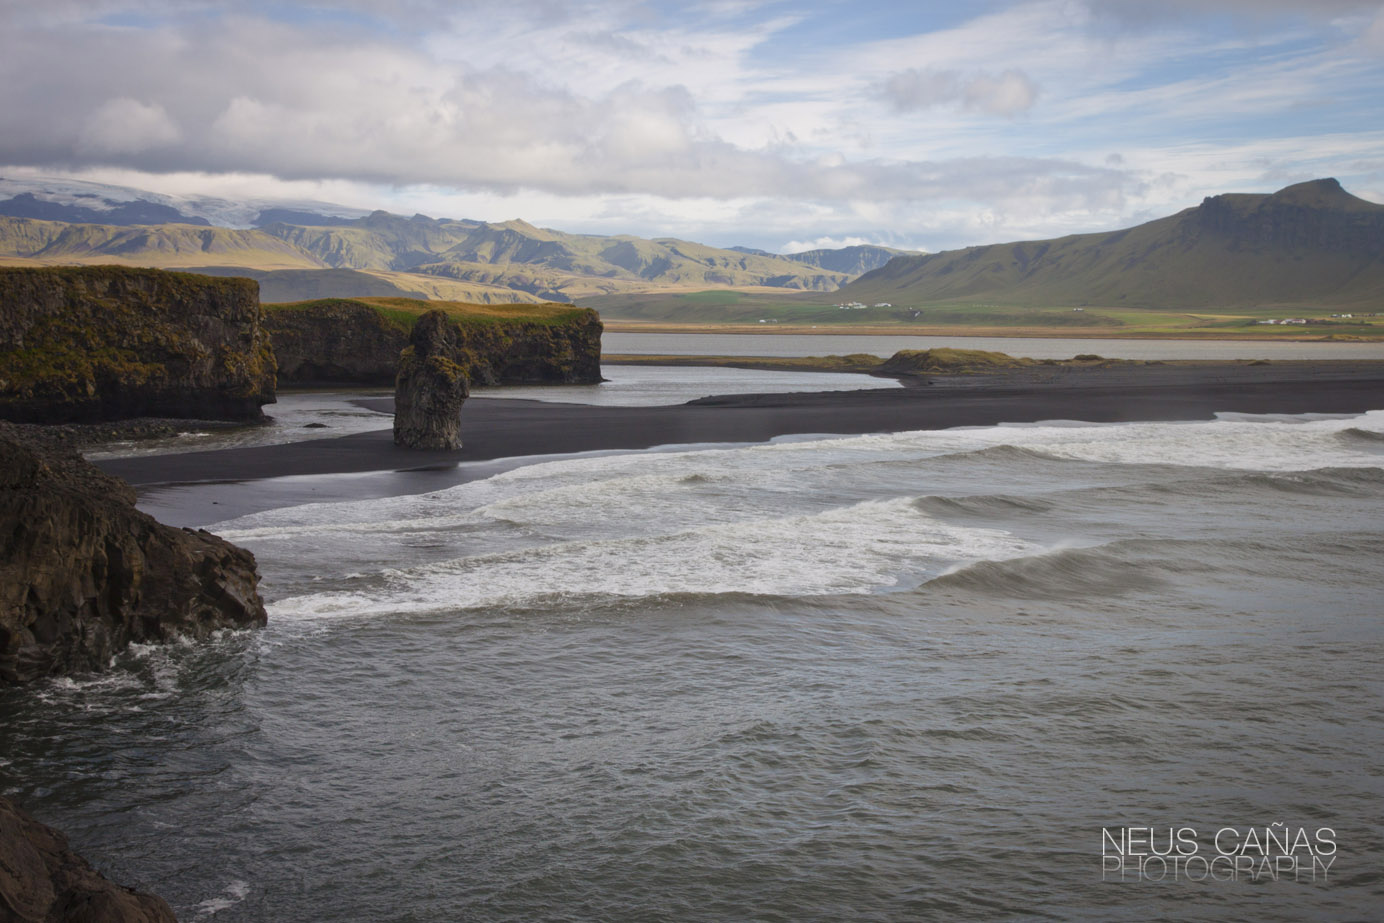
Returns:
point(108, 342)
point(358, 340)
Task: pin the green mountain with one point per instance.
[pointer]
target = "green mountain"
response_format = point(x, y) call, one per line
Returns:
point(1309, 244)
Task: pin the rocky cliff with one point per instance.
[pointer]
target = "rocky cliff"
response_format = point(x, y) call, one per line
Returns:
point(359, 341)
point(107, 342)
point(1316, 215)
point(448, 351)
point(42, 879)
point(83, 573)
point(335, 341)
point(431, 387)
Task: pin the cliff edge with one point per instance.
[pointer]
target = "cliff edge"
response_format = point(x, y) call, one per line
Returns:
point(359, 341)
point(447, 353)
point(80, 344)
point(83, 573)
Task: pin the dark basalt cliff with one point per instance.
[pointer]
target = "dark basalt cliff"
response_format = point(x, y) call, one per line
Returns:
point(431, 386)
point(347, 341)
point(1316, 215)
point(42, 880)
point(83, 573)
point(109, 342)
point(335, 341)
point(447, 353)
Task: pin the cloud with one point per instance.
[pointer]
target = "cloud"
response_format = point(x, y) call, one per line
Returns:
point(1005, 94)
point(260, 97)
point(1146, 12)
point(736, 121)
point(127, 126)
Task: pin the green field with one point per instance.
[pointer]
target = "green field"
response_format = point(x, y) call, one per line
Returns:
point(721, 308)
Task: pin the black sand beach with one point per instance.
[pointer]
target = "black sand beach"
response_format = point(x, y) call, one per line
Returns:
point(505, 428)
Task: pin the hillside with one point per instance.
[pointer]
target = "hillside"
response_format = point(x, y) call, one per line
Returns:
point(163, 246)
point(852, 260)
point(383, 254)
point(540, 261)
point(1309, 245)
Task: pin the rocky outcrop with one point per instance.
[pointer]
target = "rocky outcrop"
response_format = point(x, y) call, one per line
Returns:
point(108, 342)
point(335, 341)
point(43, 881)
point(83, 573)
point(431, 387)
point(943, 360)
point(350, 341)
point(447, 353)
point(1316, 215)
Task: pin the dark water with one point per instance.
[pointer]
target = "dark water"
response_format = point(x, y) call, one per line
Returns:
point(872, 678)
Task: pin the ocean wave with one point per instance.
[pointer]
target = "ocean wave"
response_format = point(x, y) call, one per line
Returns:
point(1353, 434)
point(863, 548)
point(1148, 564)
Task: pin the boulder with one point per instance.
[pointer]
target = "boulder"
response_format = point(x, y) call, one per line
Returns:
point(83, 573)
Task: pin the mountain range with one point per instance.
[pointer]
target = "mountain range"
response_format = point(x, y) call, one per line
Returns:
point(1308, 244)
point(298, 253)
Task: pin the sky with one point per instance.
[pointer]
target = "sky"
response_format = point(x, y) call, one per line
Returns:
point(781, 125)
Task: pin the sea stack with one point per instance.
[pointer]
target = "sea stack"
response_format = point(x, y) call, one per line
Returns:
point(431, 387)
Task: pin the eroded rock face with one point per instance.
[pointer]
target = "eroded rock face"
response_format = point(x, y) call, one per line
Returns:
point(431, 387)
point(335, 341)
point(43, 881)
point(81, 344)
point(83, 573)
point(341, 341)
point(446, 355)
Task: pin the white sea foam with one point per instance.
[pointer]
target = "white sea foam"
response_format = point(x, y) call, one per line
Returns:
point(235, 892)
point(856, 549)
point(832, 515)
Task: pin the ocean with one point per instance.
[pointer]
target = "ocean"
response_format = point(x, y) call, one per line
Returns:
point(914, 676)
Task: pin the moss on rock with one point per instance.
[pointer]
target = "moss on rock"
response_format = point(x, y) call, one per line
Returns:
point(110, 342)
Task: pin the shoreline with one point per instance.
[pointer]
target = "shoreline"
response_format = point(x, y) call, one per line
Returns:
point(1018, 333)
point(507, 428)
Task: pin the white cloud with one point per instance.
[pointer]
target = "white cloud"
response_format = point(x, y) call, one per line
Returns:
point(732, 122)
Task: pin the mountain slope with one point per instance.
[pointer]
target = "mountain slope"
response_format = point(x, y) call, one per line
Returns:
point(1312, 243)
point(542, 261)
point(852, 261)
point(163, 246)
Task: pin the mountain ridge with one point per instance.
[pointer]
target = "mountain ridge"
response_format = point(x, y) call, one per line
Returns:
point(1309, 243)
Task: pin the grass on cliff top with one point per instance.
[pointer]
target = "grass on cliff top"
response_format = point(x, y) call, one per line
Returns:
point(402, 312)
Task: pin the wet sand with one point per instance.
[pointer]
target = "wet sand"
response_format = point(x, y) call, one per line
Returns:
point(505, 428)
